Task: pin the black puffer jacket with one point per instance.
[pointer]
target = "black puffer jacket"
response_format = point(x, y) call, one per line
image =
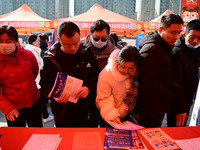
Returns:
point(186, 63)
point(88, 74)
point(155, 76)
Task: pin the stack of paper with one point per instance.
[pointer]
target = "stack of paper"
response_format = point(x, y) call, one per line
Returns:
point(43, 142)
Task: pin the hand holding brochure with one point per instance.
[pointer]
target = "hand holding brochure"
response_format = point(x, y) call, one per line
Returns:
point(126, 125)
point(65, 87)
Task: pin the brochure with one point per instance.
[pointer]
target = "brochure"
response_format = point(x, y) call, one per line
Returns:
point(122, 140)
point(43, 141)
point(65, 87)
point(158, 139)
point(126, 125)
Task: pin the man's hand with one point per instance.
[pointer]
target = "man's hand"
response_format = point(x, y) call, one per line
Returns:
point(82, 92)
point(12, 114)
point(180, 119)
point(62, 99)
point(117, 120)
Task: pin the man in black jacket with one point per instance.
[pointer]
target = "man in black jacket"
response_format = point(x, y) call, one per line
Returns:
point(186, 70)
point(72, 58)
point(155, 76)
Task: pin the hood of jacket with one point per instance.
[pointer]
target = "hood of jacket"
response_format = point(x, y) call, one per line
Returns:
point(154, 37)
point(33, 48)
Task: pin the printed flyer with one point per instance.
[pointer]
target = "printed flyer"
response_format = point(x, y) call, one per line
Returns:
point(122, 140)
point(65, 87)
point(159, 139)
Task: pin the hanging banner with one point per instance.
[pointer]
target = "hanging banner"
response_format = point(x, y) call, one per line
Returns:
point(190, 10)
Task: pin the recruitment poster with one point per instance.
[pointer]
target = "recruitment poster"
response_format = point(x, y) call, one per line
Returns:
point(195, 116)
point(190, 10)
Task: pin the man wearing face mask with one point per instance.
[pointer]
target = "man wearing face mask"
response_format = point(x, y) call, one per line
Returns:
point(185, 64)
point(102, 44)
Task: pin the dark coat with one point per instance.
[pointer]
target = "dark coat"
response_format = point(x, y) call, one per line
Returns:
point(89, 76)
point(186, 64)
point(155, 75)
point(44, 47)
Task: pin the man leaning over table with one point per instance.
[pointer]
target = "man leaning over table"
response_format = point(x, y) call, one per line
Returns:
point(72, 58)
point(155, 75)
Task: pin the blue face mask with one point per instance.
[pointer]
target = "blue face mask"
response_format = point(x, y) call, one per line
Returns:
point(99, 44)
point(191, 46)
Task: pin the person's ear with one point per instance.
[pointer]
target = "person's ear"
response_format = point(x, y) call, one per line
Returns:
point(160, 29)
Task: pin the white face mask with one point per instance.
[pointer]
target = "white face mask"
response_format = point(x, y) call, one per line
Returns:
point(191, 46)
point(7, 49)
point(99, 44)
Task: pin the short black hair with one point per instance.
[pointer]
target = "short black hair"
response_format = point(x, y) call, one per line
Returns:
point(193, 25)
point(11, 31)
point(32, 38)
point(99, 25)
point(168, 20)
point(68, 29)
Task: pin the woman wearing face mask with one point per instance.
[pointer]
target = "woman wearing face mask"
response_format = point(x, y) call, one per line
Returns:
point(18, 91)
point(117, 86)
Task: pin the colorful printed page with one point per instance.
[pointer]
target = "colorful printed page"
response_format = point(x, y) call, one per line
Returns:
point(127, 125)
point(158, 139)
point(65, 87)
point(122, 140)
point(118, 139)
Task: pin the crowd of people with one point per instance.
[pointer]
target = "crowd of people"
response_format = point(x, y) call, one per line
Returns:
point(120, 82)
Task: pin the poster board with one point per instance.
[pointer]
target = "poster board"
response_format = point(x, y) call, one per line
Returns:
point(195, 113)
point(190, 10)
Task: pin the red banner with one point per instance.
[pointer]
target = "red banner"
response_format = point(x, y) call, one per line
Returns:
point(190, 10)
point(117, 25)
point(27, 24)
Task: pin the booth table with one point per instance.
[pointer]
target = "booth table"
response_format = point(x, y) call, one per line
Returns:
point(14, 138)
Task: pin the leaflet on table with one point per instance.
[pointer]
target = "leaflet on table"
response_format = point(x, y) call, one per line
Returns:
point(189, 144)
point(66, 86)
point(43, 141)
point(158, 139)
point(126, 125)
point(122, 140)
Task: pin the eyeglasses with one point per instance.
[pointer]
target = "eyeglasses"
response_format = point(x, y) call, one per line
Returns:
point(98, 38)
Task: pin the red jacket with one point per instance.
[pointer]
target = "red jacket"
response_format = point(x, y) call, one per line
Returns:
point(17, 80)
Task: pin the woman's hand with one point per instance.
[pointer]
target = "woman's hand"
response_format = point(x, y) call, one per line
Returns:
point(12, 114)
point(82, 92)
point(117, 120)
